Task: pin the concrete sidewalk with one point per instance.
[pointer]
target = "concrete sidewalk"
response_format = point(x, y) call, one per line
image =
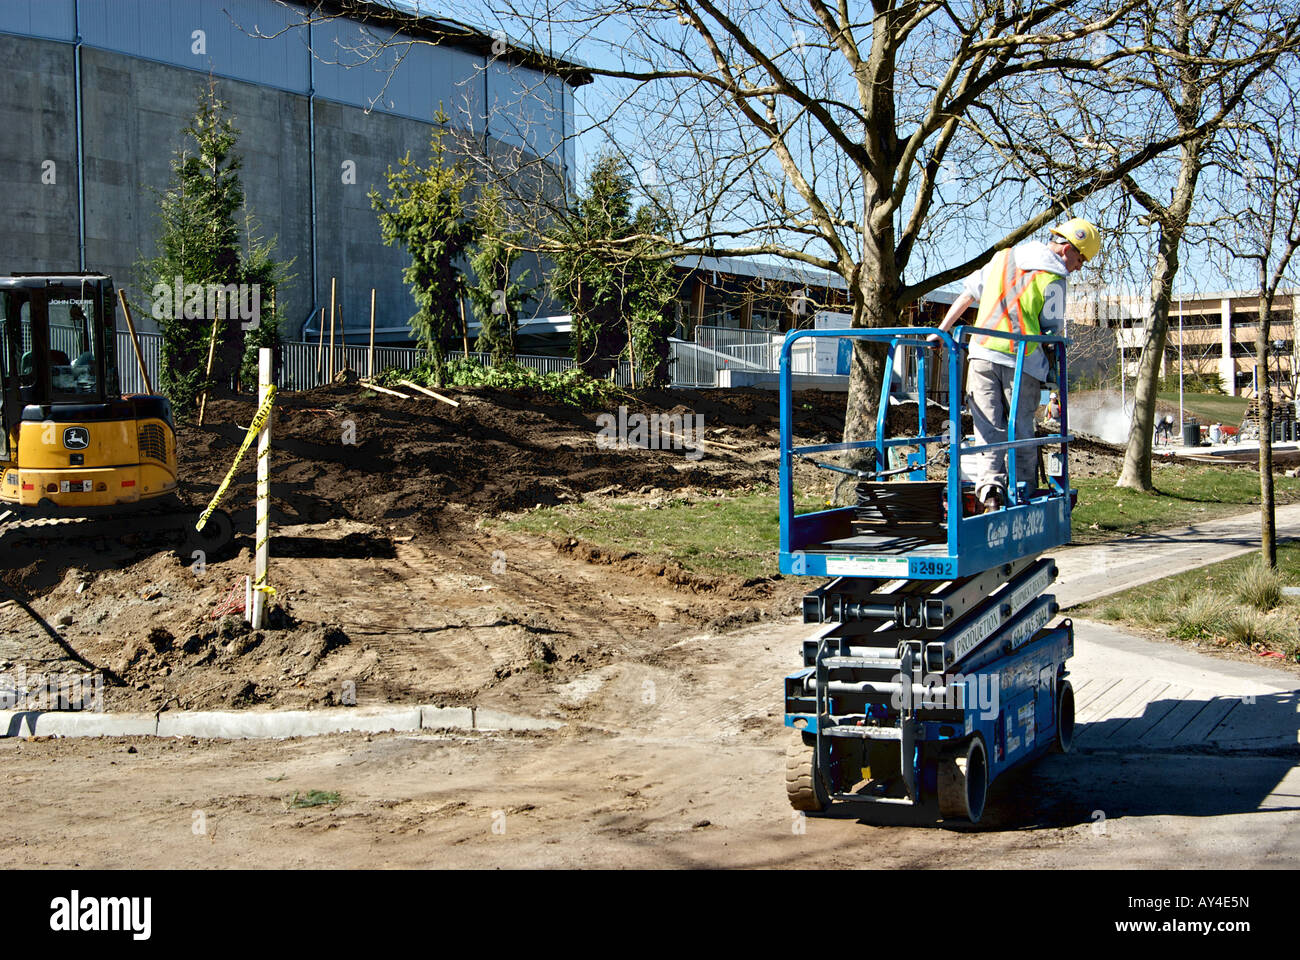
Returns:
point(1136, 694)
point(1144, 695)
point(1085, 573)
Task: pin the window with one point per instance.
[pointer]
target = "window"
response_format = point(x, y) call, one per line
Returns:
point(74, 352)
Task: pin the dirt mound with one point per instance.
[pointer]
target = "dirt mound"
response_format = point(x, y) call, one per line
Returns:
point(343, 451)
point(387, 589)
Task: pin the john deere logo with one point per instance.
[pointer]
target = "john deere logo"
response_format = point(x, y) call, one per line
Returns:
point(76, 438)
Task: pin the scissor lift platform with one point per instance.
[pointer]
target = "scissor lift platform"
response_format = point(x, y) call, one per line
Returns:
point(936, 666)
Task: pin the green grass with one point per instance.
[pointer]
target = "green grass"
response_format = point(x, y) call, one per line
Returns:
point(315, 798)
point(729, 535)
point(1236, 603)
point(737, 535)
point(1208, 407)
point(1188, 493)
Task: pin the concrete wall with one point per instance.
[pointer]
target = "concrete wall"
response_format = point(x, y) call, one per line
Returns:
point(38, 221)
point(133, 112)
point(350, 245)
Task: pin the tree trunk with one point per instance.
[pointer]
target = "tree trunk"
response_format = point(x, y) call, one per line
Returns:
point(1136, 474)
point(1264, 396)
point(867, 368)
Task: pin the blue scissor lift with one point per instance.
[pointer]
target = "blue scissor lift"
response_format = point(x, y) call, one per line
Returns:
point(936, 665)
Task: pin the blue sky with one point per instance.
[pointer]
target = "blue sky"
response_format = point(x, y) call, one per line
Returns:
point(1201, 271)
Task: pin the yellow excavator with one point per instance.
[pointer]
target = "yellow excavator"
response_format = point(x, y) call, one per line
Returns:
point(72, 445)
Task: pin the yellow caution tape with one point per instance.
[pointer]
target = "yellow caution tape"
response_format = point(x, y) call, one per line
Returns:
point(254, 428)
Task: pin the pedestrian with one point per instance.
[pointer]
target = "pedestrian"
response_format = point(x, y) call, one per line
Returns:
point(1021, 290)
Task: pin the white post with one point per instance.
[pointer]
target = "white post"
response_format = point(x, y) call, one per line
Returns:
point(261, 560)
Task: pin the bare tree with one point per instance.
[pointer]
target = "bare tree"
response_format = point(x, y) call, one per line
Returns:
point(898, 145)
point(885, 144)
point(1259, 193)
point(1202, 60)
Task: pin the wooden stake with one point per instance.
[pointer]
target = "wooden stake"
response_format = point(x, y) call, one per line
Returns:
point(395, 393)
point(343, 342)
point(370, 362)
point(135, 342)
point(427, 391)
point(331, 366)
point(262, 558)
point(464, 328)
point(207, 375)
point(320, 347)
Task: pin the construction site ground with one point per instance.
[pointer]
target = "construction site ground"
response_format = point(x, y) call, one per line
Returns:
point(667, 682)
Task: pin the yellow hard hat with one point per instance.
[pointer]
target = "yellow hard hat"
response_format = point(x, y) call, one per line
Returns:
point(1082, 235)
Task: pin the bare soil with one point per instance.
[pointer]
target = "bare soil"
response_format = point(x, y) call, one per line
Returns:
point(384, 577)
point(667, 682)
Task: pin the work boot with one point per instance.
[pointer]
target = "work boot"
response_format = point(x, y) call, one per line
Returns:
point(993, 499)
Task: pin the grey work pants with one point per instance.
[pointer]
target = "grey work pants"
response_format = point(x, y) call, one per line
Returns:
point(988, 397)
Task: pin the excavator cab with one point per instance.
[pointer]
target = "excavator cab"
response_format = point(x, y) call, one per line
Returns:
point(71, 443)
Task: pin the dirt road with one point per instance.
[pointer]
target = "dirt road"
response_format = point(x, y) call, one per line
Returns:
point(672, 761)
point(668, 683)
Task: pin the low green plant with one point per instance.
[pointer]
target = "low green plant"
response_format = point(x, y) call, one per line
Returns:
point(315, 798)
point(1249, 627)
point(1236, 603)
point(572, 386)
point(1260, 586)
point(1205, 617)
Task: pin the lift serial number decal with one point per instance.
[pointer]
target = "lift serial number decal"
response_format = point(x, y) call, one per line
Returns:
point(935, 568)
point(867, 566)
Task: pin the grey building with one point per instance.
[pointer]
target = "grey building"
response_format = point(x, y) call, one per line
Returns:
point(94, 93)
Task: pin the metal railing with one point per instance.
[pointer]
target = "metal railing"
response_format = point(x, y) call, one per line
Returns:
point(304, 365)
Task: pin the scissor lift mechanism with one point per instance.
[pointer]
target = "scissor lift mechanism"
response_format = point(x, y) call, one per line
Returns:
point(938, 662)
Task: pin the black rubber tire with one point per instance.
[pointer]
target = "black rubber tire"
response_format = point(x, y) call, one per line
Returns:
point(215, 535)
point(804, 785)
point(964, 781)
point(1064, 741)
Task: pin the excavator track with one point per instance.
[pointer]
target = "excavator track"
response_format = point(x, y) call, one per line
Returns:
point(33, 531)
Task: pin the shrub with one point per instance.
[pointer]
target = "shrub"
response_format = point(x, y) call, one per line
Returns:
point(572, 386)
point(1204, 618)
point(1250, 627)
point(1260, 586)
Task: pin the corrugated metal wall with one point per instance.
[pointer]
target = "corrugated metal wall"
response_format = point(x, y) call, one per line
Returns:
point(203, 35)
point(50, 19)
point(352, 65)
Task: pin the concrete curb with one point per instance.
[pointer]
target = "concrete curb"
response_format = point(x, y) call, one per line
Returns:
point(233, 725)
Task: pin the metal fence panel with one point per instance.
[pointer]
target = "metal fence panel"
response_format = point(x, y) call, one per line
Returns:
point(303, 364)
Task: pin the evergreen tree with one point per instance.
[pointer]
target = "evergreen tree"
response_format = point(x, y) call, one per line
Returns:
point(614, 275)
point(426, 212)
point(262, 269)
point(496, 297)
point(199, 243)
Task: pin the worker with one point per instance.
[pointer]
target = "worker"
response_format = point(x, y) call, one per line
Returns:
point(1054, 407)
point(1021, 290)
point(1165, 429)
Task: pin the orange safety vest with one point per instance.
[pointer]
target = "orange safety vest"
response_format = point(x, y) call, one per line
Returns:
point(1017, 293)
